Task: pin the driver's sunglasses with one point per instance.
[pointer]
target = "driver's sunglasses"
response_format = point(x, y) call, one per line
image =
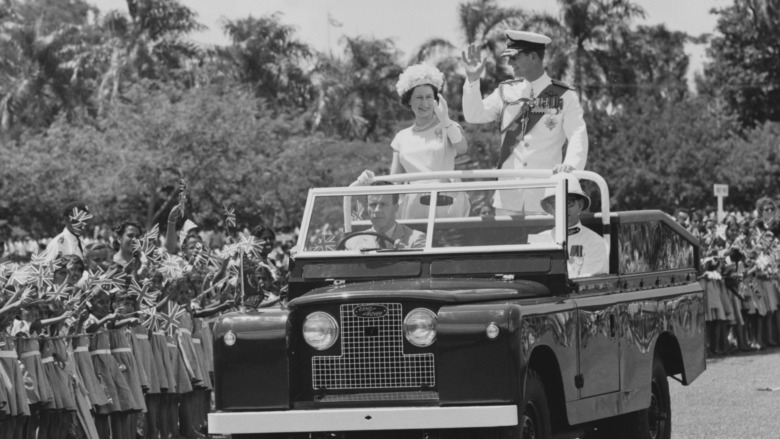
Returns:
point(769, 209)
point(570, 201)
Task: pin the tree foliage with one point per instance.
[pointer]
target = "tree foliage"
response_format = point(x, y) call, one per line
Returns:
point(660, 154)
point(265, 55)
point(356, 96)
point(745, 67)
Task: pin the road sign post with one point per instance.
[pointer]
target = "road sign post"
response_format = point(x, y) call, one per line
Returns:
point(721, 191)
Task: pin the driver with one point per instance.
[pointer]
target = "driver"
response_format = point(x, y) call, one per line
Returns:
point(588, 250)
point(382, 210)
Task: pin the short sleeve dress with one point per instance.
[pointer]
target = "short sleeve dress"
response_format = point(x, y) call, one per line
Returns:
point(36, 383)
point(16, 396)
point(429, 150)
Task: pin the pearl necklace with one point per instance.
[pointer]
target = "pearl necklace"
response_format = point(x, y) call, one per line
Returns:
point(418, 128)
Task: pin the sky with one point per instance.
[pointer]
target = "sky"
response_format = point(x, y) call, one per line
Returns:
point(412, 22)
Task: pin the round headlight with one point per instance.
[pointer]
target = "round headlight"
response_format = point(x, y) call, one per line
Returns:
point(420, 327)
point(229, 338)
point(320, 330)
point(492, 331)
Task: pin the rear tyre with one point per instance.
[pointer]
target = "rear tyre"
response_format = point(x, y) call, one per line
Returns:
point(659, 414)
point(654, 422)
point(534, 412)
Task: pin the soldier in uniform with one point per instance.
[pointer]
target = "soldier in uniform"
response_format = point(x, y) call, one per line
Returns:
point(77, 218)
point(588, 250)
point(537, 117)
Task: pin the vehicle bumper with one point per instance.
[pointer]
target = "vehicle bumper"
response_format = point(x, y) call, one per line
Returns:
point(357, 419)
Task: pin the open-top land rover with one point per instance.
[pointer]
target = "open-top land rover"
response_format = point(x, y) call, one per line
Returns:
point(475, 330)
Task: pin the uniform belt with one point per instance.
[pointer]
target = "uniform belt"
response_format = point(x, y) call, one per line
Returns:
point(171, 345)
point(81, 349)
point(159, 333)
point(196, 340)
point(118, 350)
point(8, 354)
point(30, 354)
point(142, 336)
point(47, 360)
point(101, 352)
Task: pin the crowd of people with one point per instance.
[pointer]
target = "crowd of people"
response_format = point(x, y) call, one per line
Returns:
point(740, 258)
point(111, 338)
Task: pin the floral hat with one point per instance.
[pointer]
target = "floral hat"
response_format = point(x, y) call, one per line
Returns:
point(419, 74)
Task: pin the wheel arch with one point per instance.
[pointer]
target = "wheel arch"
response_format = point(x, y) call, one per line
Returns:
point(544, 362)
point(667, 349)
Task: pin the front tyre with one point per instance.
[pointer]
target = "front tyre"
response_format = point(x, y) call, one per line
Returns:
point(534, 412)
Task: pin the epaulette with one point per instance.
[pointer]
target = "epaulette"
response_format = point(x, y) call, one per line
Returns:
point(510, 81)
point(562, 84)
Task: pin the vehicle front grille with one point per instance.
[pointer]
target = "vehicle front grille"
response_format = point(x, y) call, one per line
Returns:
point(372, 354)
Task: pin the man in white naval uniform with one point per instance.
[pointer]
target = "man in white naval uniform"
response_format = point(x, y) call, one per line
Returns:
point(588, 254)
point(537, 117)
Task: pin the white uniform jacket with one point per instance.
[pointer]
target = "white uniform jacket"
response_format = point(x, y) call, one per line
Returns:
point(594, 258)
point(64, 244)
point(542, 145)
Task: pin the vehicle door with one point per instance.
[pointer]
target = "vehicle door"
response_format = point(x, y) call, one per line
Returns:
point(598, 338)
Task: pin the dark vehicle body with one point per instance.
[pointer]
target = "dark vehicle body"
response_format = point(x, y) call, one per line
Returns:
point(521, 349)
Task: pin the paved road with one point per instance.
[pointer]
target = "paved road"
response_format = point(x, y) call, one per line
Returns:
point(730, 399)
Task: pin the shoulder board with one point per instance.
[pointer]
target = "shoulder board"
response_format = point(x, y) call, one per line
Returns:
point(510, 81)
point(562, 84)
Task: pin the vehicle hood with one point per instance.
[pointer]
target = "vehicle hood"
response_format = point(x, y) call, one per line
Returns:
point(436, 290)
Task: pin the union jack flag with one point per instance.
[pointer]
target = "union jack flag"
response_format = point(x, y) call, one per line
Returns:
point(170, 267)
point(325, 243)
point(7, 269)
point(79, 216)
point(59, 292)
point(41, 259)
point(147, 243)
point(22, 275)
point(230, 216)
point(171, 320)
point(110, 280)
point(145, 297)
point(151, 319)
point(39, 276)
point(251, 246)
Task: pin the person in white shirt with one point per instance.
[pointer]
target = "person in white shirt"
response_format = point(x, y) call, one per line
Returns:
point(69, 242)
point(588, 255)
point(433, 140)
point(537, 117)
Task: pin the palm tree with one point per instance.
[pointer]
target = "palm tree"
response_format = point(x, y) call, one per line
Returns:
point(355, 95)
point(481, 23)
point(585, 28)
point(38, 77)
point(147, 43)
point(265, 56)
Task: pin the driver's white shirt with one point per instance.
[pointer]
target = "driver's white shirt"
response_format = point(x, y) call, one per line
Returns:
point(594, 250)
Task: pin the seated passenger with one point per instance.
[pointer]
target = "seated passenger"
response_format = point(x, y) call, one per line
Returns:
point(588, 251)
point(382, 211)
